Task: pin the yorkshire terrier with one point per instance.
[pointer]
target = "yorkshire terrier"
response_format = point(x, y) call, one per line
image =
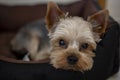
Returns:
point(69, 41)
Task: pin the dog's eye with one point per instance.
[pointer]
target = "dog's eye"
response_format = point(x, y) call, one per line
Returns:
point(84, 46)
point(62, 43)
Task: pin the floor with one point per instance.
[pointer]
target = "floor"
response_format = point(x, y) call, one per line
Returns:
point(115, 77)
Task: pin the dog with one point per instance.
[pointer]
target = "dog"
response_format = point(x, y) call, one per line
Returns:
point(69, 41)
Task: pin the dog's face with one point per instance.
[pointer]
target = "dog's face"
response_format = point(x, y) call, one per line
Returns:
point(72, 44)
point(72, 40)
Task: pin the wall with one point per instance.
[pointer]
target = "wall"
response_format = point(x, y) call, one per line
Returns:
point(32, 2)
point(114, 9)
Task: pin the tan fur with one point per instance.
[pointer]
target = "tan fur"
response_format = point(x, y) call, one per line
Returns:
point(73, 28)
point(52, 18)
point(100, 25)
point(75, 31)
point(99, 22)
point(59, 56)
point(33, 49)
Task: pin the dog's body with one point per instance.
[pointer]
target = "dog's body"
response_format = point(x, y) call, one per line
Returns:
point(68, 41)
point(32, 39)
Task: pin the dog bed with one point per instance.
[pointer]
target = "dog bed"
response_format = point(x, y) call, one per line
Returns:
point(13, 17)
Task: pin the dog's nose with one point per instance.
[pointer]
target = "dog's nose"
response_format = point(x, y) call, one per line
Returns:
point(72, 60)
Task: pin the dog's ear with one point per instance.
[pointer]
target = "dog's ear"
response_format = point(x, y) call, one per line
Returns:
point(54, 13)
point(99, 21)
